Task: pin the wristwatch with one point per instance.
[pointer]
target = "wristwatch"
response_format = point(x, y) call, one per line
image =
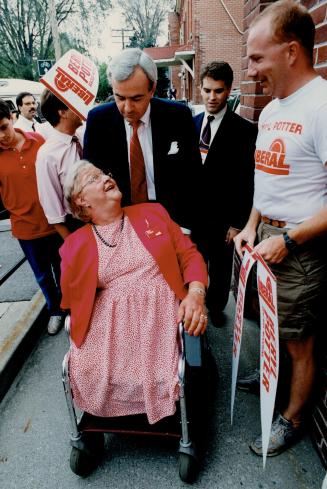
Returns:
point(290, 243)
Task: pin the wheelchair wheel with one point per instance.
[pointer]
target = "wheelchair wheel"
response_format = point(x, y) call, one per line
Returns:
point(81, 463)
point(188, 467)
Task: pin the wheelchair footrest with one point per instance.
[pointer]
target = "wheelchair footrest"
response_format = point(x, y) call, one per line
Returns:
point(134, 425)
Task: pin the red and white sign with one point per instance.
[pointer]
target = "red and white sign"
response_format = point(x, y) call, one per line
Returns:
point(74, 79)
point(269, 349)
point(247, 264)
point(269, 342)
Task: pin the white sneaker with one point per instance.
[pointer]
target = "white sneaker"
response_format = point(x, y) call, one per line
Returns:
point(55, 324)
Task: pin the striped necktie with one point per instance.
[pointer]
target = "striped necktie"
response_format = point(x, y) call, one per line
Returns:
point(206, 133)
point(78, 146)
point(139, 190)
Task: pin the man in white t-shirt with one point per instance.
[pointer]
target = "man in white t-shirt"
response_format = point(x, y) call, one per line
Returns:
point(289, 211)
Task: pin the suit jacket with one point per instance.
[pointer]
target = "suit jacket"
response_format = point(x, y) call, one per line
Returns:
point(177, 258)
point(228, 173)
point(174, 174)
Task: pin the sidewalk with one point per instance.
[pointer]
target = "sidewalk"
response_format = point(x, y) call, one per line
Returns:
point(34, 431)
point(20, 320)
point(34, 417)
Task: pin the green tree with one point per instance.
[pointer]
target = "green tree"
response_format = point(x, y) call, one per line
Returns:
point(104, 89)
point(145, 17)
point(26, 35)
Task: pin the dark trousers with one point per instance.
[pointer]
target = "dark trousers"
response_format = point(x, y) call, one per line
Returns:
point(219, 256)
point(43, 256)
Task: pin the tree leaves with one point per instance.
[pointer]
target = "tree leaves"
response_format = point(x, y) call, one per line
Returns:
point(26, 35)
point(145, 17)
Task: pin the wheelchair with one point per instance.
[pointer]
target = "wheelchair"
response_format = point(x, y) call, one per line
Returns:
point(195, 369)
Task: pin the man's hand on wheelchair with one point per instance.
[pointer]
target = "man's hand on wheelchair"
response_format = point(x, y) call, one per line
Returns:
point(193, 312)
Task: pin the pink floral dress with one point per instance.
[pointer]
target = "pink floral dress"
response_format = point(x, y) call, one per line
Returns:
point(128, 361)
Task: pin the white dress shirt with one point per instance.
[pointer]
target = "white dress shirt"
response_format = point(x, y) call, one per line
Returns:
point(53, 160)
point(215, 123)
point(45, 129)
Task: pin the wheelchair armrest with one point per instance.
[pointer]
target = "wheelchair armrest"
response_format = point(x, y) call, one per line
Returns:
point(193, 350)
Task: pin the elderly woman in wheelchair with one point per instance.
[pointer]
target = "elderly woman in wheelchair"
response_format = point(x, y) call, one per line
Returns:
point(129, 277)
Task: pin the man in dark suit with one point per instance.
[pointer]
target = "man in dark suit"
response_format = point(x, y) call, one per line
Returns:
point(149, 145)
point(227, 143)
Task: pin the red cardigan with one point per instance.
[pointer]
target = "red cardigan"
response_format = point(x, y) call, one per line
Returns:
point(176, 256)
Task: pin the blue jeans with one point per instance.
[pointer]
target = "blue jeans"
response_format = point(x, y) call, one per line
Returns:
point(43, 256)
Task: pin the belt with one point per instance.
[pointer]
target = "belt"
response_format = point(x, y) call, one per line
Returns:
point(273, 222)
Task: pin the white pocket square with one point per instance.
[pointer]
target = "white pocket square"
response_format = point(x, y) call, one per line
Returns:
point(173, 148)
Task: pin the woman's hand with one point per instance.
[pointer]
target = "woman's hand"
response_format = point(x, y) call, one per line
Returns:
point(193, 312)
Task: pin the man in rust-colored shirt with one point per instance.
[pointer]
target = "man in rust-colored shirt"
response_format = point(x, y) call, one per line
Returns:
point(38, 240)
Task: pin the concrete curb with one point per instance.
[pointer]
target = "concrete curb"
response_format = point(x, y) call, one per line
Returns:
point(5, 225)
point(18, 338)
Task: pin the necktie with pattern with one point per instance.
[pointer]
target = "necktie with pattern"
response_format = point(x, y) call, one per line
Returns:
point(78, 146)
point(139, 190)
point(206, 133)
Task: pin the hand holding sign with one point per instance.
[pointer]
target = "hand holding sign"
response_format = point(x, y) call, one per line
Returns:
point(246, 236)
point(272, 250)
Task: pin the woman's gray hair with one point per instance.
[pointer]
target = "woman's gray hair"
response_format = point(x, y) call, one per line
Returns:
point(122, 66)
point(72, 188)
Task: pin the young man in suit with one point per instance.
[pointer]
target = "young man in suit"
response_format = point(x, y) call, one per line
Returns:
point(148, 144)
point(227, 143)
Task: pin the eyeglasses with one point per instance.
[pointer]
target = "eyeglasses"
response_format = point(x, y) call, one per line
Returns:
point(95, 179)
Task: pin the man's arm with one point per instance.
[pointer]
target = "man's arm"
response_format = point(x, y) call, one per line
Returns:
point(62, 229)
point(248, 234)
point(51, 193)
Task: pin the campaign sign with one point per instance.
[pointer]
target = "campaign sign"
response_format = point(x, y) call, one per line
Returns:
point(73, 79)
point(269, 339)
point(269, 349)
point(247, 263)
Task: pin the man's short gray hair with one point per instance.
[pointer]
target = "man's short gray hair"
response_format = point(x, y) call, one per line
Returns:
point(122, 66)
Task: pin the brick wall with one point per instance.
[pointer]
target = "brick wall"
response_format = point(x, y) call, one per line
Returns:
point(216, 37)
point(207, 26)
point(253, 101)
point(173, 29)
point(318, 10)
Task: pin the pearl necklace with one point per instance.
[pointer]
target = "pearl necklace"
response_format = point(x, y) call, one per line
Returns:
point(101, 238)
